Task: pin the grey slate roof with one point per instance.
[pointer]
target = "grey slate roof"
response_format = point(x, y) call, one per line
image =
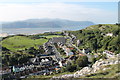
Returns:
point(58, 39)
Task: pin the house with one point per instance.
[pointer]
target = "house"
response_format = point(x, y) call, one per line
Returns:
point(81, 54)
point(109, 34)
point(44, 60)
point(40, 47)
point(48, 48)
point(109, 53)
point(58, 39)
point(65, 33)
point(86, 50)
point(60, 63)
point(60, 44)
point(71, 48)
point(78, 43)
point(63, 62)
point(83, 50)
point(73, 36)
point(33, 60)
point(68, 52)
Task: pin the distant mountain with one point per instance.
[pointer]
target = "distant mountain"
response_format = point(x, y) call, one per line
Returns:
point(46, 23)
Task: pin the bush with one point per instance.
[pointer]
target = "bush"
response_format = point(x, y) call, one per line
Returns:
point(82, 61)
point(63, 69)
point(71, 68)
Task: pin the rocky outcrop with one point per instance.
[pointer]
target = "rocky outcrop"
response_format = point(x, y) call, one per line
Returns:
point(98, 65)
point(83, 72)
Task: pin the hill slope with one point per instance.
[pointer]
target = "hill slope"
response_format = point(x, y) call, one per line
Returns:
point(99, 37)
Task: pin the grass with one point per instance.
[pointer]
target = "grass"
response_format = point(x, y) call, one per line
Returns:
point(49, 76)
point(21, 42)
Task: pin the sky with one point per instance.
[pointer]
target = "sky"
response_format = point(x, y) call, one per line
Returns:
point(59, 0)
point(77, 10)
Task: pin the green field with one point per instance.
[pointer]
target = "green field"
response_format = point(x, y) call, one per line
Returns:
point(22, 42)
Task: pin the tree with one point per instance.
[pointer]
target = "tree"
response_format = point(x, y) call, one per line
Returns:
point(71, 68)
point(99, 25)
point(5, 49)
point(63, 69)
point(93, 60)
point(32, 50)
point(82, 61)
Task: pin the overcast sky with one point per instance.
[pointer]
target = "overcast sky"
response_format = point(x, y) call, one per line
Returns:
point(98, 12)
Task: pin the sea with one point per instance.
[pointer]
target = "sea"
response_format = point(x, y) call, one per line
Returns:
point(30, 31)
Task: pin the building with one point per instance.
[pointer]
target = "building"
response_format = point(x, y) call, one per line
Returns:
point(60, 44)
point(109, 53)
point(67, 51)
point(73, 36)
point(109, 34)
point(78, 43)
point(65, 33)
point(58, 39)
point(48, 48)
point(86, 50)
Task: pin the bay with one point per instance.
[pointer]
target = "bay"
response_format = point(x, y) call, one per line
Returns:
point(28, 31)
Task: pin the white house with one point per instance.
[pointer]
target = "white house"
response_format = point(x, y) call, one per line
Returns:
point(83, 50)
point(78, 42)
point(109, 54)
point(60, 64)
point(109, 34)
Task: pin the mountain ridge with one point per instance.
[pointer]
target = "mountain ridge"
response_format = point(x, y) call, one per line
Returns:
point(46, 23)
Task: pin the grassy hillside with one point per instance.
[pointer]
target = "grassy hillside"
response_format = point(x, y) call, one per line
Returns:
point(94, 37)
point(21, 42)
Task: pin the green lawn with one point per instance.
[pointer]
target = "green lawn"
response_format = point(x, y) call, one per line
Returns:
point(21, 42)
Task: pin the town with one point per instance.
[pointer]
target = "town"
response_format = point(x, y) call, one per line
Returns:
point(60, 51)
point(46, 64)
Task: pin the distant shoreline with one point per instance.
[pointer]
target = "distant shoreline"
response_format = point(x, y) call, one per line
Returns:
point(5, 34)
point(33, 31)
point(28, 31)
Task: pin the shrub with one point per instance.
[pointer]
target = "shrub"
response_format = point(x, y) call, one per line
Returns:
point(82, 61)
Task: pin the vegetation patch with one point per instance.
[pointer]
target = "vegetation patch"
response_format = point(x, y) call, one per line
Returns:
point(97, 37)
point(21, 42)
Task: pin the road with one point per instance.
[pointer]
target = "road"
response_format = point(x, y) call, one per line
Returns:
point(70, 42)
point(57, 54)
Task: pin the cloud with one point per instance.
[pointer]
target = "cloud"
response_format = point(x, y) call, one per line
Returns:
point(13, 12)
